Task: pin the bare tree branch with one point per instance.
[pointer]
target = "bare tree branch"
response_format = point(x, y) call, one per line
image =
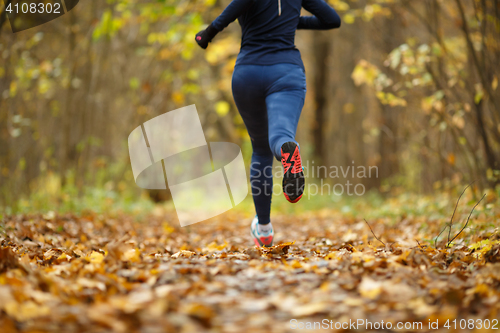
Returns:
point(475, 60)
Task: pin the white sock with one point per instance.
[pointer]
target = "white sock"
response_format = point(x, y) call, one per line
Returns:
point(264, 228)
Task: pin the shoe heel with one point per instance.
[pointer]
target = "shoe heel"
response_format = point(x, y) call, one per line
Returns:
point(293, 175)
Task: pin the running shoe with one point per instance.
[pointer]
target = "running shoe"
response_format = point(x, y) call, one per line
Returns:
point(263, 235)
point(293, 173)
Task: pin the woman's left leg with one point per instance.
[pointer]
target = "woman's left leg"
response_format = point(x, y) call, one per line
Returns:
point(249, 96)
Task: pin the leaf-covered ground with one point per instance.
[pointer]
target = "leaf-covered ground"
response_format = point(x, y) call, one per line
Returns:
point(93, 273)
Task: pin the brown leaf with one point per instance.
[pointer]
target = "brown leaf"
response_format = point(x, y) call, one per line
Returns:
point(200, 311)
point(311, 309)
point(493, 255)
point(8, 259)
point(254, 252)
point(183, 254)
point(278, 249)
point(52, 254)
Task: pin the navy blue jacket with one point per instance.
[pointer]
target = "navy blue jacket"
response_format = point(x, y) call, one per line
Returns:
point(268, 27)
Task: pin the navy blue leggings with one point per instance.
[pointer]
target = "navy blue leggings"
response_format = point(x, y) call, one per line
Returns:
point(270, 99)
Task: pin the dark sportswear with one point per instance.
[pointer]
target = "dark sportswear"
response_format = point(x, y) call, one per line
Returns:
point(269, 82)
point(269, 99)
point(205, 36)
point(268, 27)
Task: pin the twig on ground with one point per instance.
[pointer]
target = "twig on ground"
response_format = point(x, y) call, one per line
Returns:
point(448, 225)
point(456, 205)
point(468, 218)
point(373, 232)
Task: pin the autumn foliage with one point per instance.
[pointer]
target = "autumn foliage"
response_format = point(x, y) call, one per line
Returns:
point(94, 273)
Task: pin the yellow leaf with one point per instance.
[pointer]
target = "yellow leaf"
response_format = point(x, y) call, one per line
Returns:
point(183, 254)
point(478, 97)
point(325, 286)
point(214, 247)
point(222, 49)
point(178, 97)
point(311, 309)
point(458, 121)
point(13, 89)
point(199, 311)
point(451, 158)
point(133, 255)
point(64, 256)
point(167, 228)
point(96, 257)
point(365, 72)
point(479, 93)
point(349, 18)
point(330, 256)
point(370, 288)
point(393, 100)
point(222, 108)
point(339, 5)
point(348, 108)
point(26, 310)
point(352, 301)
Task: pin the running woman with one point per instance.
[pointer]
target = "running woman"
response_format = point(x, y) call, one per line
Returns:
point(269, 87)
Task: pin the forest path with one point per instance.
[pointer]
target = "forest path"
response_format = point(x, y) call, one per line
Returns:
point(95, 273)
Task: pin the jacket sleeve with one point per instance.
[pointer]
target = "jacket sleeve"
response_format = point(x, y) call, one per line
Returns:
point(325, 17)
point(235, 9)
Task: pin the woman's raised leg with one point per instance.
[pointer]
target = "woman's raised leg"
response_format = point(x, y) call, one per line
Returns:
point(285, 99)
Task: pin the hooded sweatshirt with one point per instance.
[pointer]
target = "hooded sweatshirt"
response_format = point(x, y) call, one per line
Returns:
point(268, 27)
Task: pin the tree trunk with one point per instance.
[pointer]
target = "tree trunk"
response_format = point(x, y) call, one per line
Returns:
point(321, 44)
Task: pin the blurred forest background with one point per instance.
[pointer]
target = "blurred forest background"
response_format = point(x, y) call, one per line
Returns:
point(408, 86)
